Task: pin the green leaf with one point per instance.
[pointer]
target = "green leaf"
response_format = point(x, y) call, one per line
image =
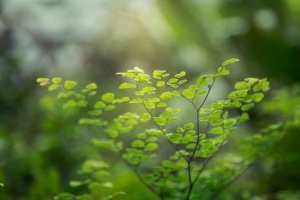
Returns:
point(158, 72)
point(92, 93)
point(175, 111)
point(187, 139)
point(182, 82)
point(232, 60)
point(70, 103)
point(39, 80)
point(200, 93)
point(53, 87)
point(166, 95)
point(108, 97)
point(56, 80)
point(148, 89)
point(112, 133)
point(194, 87)
point(160, 84)
point(257, 97)
point(91, 86)
point(142, 135)
point(64, 196)
point(189, 126)
point(202, 80)
point(225, 115)
point(175, 93)
point(110, 107)
point(217, 105)
point(172, 119)
point(247, 107)
point(69, 84)
point(205, 111)
point(169, 109)
point(151, 147)
point(241, 86)
point(151, 139)
point(127, 86)
point(149, 105)
point(165, 75)
point(162, 104)
point(145, 117)
point(175, 138)
point(244, 117)
point(180, 75)
point(95, 112)
point(229, 122)
point(86, 121)
point(99, 104)
point(137, 100)
point(191, 146)
point(150, 178)
point(173, 80)
point(216, 130)
point(179, 129)
point(134, 152)
point(191, 132)
point(79, 96)
point(160, 120)
point(188, 93)
point(138, 143)
point(165, 114)
point(154, 100)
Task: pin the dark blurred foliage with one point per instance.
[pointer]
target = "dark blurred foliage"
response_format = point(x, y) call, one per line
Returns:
point(41, 147)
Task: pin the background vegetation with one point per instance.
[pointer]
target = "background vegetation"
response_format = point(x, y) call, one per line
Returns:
point(41, 147)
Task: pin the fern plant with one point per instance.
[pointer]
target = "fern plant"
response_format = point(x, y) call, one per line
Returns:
point(189, 173)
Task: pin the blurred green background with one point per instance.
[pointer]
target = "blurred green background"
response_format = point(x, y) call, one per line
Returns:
point(42, 147)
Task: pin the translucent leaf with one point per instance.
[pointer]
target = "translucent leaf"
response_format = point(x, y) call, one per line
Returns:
point(142, 135)
point(127, 86)
point(179, 129)
point(229, 122)
point(175, 93)
point(175, 111)
point(91, 86)
point(138, 70)
point(134, 152)
point(191, 146)
point(69, 85)
point(44, 83)
point(79, 96)
point(64, 196)
point(160, 84)
point(70, 103)
point(110, 107)
point(138, 143)
point(151, 139)
point(191, 132)
point(194, 87)
point(158, 72)
point(108, 97)
point(232, 60)
point(145, 117)
point(92, 93)
point(225, 72)
point(137, 100)
point(99, 104)
point(149, 105)
point(216, 105)
point(216, 130)
point(175, 138)
point(39, 80)
point(189, 126)
point(169, 109)
point(112, 133)
point(160, 120)
point(202, 80)
point(200, 93)
point(154, 100)
point(95, 112)
point(53, 87)
point(174, 86)
point(166, 95)
point(56, 80)
point(257, 97)
point(173, 80)
point(188, 93)
point(162, 104)
point(247, 107)
point(180, 75)
point(148, 89)
point(107, 184)
point(187, 139)
point(225, 115)
point(165, 75)
point(182, 81)
point(165, 115)
point(172, 119)
point(205, 111)
point(151, 147)
point(87, 121)
point(244, 117)
point(241, 86)
point(125, 99)
point(81, 103)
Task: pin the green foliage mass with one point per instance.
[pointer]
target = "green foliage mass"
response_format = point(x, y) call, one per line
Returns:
point(189, 173)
